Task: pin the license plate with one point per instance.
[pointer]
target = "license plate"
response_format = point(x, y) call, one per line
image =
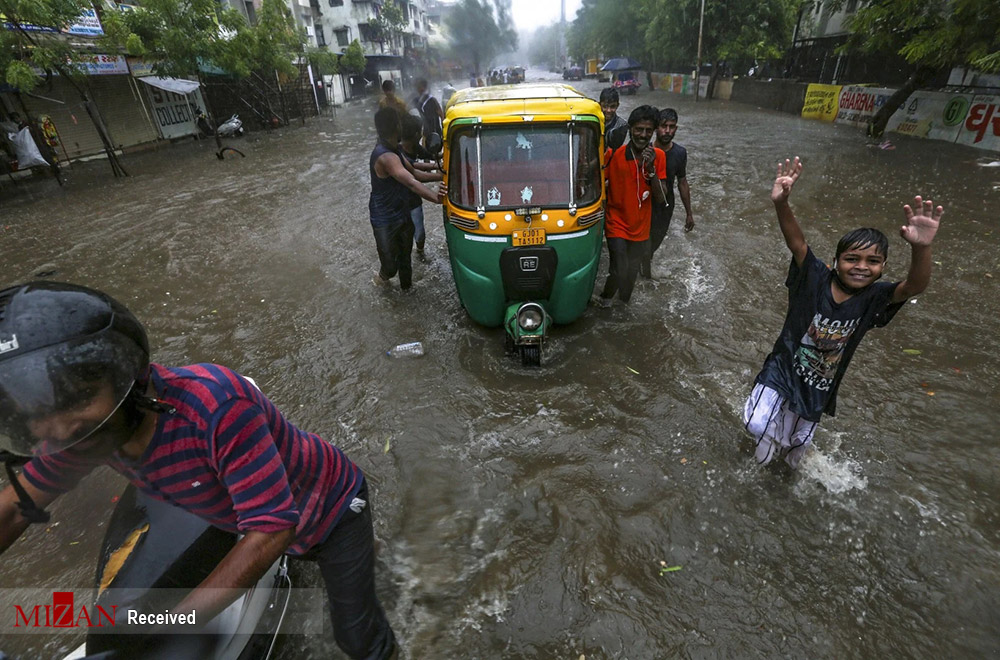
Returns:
point(523, 237)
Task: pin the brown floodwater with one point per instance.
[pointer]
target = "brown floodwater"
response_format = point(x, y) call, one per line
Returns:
point(524, 513)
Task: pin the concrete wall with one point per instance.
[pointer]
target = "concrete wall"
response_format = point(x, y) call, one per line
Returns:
point(783, 95)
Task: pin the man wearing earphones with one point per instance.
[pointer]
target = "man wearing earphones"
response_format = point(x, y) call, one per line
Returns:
point(636, 173)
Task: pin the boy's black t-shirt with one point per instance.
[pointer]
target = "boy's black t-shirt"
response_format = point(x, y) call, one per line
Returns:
point(820, 336)
point(676, 169)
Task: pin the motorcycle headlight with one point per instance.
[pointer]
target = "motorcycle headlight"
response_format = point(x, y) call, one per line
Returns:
point(530, 317)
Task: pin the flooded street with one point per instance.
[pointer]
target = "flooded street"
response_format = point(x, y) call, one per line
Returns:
point(524, 513)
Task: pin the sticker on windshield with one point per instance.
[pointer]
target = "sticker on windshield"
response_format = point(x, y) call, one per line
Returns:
point(9, 345)
point(523, 142)
point(493, 197)
point(526, 195)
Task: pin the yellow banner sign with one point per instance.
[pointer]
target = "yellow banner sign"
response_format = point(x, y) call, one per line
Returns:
point(821, 102)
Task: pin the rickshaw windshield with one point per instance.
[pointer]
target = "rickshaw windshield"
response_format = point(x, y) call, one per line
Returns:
point(503, 166)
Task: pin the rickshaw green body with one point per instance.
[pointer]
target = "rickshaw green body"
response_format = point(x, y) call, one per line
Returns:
point(474, 265)
point(502, 145)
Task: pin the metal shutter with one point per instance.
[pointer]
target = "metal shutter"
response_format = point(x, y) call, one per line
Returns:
point(122, 109)
point(76, 131)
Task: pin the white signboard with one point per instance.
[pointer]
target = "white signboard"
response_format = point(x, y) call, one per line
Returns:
point(87, 25)
point(981, 127)
point(174, 114)
point(934, 115)
point(859, 104)
point(103, 65)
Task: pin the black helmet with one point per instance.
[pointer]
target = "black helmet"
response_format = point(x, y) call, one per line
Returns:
point(61, 346)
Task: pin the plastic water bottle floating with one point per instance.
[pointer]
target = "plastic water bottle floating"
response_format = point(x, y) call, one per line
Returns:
point(412, 349)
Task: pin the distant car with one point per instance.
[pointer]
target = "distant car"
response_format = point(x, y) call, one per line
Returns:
point(573, 73)
point(627, 83)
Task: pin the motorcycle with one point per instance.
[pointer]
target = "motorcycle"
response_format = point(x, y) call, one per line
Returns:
point(153, 553)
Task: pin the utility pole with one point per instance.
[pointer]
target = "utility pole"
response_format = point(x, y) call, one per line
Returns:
point(697, 73)
point(562, 36)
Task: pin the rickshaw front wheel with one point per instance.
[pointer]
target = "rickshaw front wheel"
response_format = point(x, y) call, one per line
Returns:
point(531, 355)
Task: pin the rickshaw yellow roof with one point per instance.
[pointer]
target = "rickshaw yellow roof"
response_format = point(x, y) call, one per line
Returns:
point(523, 99)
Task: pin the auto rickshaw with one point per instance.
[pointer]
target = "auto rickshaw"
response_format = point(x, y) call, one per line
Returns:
point(524, 217)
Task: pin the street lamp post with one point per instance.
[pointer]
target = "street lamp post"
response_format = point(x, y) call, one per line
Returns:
point(697, 74)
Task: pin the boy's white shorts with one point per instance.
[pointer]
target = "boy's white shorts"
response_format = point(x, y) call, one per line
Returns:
point(777, 430)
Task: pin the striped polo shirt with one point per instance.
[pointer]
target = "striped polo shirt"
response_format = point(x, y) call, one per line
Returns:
point(228, 456)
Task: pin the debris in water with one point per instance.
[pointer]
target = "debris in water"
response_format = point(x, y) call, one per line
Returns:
point(664, 569)
point(930, 394)
point(683, 461)
point(912, 351)
point(385, 450)
point(632, 370)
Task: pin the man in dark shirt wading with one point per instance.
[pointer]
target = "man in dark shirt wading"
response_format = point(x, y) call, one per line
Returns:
point(676, 171)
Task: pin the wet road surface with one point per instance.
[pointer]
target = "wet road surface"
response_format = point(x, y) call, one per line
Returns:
point(524, 513)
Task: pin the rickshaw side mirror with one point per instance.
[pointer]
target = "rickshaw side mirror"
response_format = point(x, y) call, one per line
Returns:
point(434, 143)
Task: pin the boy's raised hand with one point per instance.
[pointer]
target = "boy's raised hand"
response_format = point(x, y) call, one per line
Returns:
point(922, 221)
point(788, 173)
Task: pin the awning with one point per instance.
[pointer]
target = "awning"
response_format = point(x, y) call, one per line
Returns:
point(175, 85)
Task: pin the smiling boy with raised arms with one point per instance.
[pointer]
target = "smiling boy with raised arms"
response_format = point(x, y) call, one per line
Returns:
point(829, 311)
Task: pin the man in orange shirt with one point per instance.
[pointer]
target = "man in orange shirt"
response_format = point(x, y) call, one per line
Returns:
point(635, 174)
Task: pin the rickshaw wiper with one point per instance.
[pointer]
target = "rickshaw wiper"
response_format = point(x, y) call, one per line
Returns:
point(572, 177)
point(480, 207)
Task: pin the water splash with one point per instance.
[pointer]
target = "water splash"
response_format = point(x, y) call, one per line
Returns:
point(835, 473)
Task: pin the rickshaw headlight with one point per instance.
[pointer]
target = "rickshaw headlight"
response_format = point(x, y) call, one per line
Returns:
point(530, 317)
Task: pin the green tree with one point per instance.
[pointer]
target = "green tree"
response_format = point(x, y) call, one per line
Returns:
point(481, 30)
point(665, 32)
point(735, 32)
point(323, 62)
point(388, 25)
point(353, 60)
point(178, 37)
point(931, 34)
point(26, 50)
point(607, 27)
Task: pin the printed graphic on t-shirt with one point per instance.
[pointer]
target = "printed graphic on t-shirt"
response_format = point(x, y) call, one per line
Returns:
point(821, 349)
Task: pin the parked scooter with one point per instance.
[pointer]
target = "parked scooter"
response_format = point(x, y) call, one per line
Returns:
point(232, 127)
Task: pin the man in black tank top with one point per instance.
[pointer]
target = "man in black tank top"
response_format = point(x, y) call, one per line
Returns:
point(393, 182)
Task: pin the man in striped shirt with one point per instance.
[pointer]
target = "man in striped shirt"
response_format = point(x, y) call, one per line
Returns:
point(202, 438)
